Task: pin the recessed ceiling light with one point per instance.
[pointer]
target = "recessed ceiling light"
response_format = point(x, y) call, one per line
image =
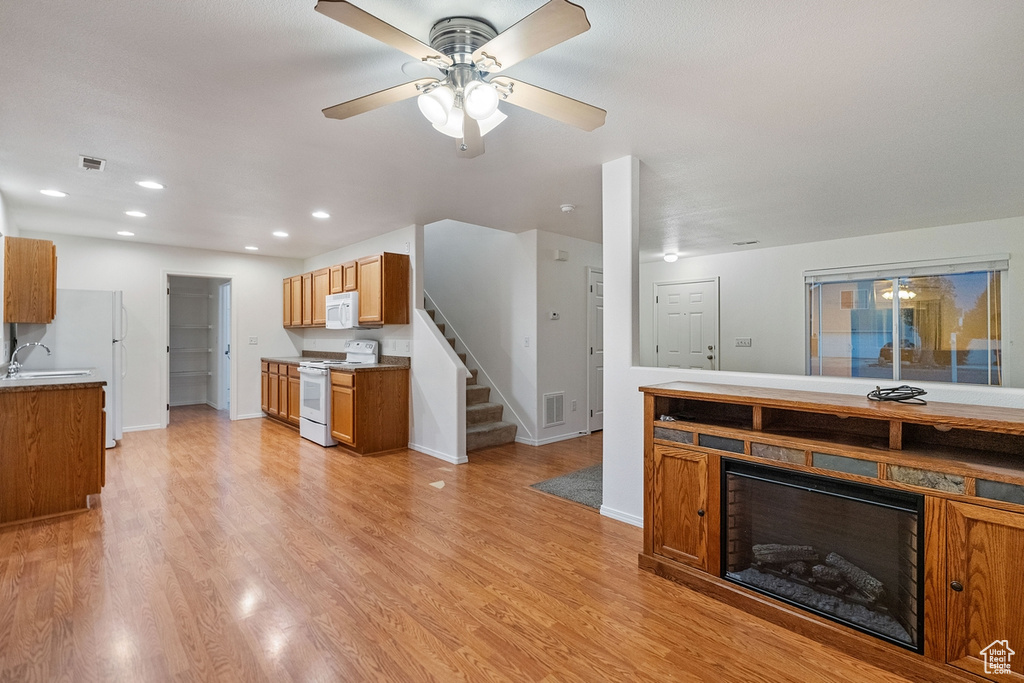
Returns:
point(280, 233)
point(568, 208)
point(135, 214)
point(671, 257)
point(53, 193)
point(126, 233)
point(321, 214)
point(149, 184)
point(253, 248)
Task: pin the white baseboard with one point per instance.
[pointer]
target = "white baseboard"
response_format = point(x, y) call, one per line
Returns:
point(550, 439)
point(622, 516)
point(141, 428)
point(250, 416)
point(438, 454)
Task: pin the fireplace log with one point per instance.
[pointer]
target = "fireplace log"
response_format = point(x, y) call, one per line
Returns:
point(796, 569)
point(869, 586)
point(778, 553)
point(828, 576)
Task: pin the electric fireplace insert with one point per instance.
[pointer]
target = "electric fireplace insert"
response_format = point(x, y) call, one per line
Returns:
point(850, 552)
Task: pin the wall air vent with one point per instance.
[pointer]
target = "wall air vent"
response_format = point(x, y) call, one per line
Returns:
point(554, 409)
point(91, 163)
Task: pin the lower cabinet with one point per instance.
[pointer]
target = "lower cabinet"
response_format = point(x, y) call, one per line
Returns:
point(683, 519)
point(279, 391)
point(370, 409)
point(984, 621)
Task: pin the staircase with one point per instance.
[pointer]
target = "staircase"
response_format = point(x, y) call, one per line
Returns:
point(484, 427)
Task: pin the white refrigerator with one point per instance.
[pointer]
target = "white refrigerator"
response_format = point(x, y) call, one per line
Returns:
point(88, 332)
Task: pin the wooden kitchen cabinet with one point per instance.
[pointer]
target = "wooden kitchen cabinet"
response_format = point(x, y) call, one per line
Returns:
point(265, 387)
point(384, 289)
point(273, 393)
point(287, 299)
point(370, 409)
point(30, 280)
point(296, 287)
point(350, 276)
point(53, 452)
point(984, 585)
point(307, 298)
point(294, 400)
point(682, 515)
point(321, 288)
point(337, 279)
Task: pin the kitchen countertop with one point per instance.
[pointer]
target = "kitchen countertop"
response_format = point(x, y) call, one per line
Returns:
point(51, 383)
point(387, 363)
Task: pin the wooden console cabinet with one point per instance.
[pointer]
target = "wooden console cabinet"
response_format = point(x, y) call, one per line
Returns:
point(966, 462)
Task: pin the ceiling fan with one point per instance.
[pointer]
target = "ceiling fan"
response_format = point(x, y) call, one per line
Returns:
point(472, 55)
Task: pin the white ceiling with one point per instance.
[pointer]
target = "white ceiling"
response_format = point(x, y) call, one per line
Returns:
point(773, 120)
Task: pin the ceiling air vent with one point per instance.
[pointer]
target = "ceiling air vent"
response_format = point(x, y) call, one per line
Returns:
point(91, 163)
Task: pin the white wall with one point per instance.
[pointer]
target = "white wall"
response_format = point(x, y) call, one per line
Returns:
point(8, 229)
point(562, 344)
point(484, 282)
point(400, 241)
point(762, 292)
point(140, 271)
point(623, 437)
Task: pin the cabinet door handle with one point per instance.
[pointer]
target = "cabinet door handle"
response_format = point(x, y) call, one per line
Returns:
point(957, 586)
point(700, 513)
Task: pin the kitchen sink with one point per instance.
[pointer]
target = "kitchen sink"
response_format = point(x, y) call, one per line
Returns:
point(50, 374)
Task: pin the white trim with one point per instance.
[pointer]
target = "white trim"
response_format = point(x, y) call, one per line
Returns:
point(589, 271)
point(143, 428)
point(622, 516)
point(947, 266)
point(250, 416)
point(550, 439)
point(460, 460)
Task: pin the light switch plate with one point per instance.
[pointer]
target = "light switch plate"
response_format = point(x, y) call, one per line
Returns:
point(744, 342)
point(253, 341)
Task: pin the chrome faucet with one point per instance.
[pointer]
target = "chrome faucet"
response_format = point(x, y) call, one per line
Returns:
point(14, 366)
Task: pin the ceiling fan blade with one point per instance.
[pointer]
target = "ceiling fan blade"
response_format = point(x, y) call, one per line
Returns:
point(551, 104)
point(471, 144)
point(364, 22)
point(555, 22)
point(378, 99)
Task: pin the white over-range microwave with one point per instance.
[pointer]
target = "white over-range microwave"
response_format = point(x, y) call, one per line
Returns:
point(343, 311)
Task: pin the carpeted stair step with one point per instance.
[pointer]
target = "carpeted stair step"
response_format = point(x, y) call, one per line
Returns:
point(477, 393)
point(472, 377)
point(462, 357)
point(440, 326)
point(489, 434)
point(450, 340)
point(431, 312)
point(479, 413)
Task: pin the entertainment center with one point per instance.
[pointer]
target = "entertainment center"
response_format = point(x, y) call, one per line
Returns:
point(894, 532)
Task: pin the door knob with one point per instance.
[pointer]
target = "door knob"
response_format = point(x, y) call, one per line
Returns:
point(700, 513)
point(710, 357)
point(710, 347)
point(957, 586)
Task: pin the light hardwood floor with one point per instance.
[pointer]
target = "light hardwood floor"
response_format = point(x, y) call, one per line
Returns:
point(236, 551)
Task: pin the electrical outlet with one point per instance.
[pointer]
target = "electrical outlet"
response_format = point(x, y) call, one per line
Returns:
point(405, 245)
point(743, 341)
point(404, 347)
point(253, 341)
point(526, 342)
point(573, 404)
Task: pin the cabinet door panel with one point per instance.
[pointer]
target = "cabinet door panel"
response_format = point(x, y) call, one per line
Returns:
point(370, 282)
point(681, 514)
point(273, 388)
point(343, 414)
point(337, 279)
point(287, 298)
point(30, 280)
point(265, 391)
point(296, 301)
point(307, 298)
point(282, 394)
point(350, 276)
point(985, 547)
point(321, 288)
point(294, 386)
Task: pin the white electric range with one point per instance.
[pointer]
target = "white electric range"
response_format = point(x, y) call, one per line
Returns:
point(315, 388)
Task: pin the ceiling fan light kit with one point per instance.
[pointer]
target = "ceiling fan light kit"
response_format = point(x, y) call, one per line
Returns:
point(463, 104)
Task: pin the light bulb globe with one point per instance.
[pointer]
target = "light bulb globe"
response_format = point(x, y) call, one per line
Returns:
point(453, 127)
point(436, 104)
point(480, 100)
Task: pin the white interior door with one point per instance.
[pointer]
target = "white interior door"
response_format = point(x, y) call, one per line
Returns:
point(687, 319)
point(224, 344)
point(595, 343)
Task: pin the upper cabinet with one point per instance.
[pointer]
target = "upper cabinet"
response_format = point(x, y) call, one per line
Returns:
point(384, 289)
point(382, 281)
point(30, 280)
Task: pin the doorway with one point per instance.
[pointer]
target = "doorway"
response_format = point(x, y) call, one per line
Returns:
point(686, 316)
point(595, 349)
point(198, 342)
